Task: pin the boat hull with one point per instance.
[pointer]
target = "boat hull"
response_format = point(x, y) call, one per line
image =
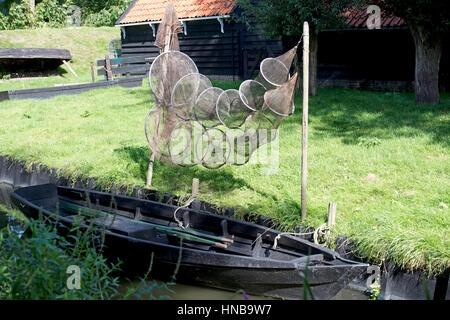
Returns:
point(183, 262)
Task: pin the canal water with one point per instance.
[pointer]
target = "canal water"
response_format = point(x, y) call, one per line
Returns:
point(177, 291)
point(189, 292)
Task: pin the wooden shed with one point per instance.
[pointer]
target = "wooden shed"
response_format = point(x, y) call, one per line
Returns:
point(221, 47)
point(354, 57)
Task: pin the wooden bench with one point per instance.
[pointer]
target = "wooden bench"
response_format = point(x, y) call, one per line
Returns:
point(128, 66)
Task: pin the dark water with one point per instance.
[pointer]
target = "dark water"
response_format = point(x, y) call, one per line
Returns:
point(189, 292)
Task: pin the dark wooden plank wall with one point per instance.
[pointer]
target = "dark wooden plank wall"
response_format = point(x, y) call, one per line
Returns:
point(215, 53)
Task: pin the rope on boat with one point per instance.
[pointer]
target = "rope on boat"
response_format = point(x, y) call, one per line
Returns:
point(186, 204)
point(323, 230)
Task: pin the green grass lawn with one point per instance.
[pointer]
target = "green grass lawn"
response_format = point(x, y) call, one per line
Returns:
point(86, 44)
point(382, 158)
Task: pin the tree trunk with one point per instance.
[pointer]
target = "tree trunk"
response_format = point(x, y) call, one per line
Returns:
point(428, 56)
point(313, 46)
point(32, 6)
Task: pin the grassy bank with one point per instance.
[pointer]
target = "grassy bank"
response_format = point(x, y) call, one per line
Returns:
point(383, 159)
point(86, 45)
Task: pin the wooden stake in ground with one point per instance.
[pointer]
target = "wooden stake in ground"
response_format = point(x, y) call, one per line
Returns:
point(108, 68)
point(92, 72)
point(152, 156)
point(195, 187)
point(305, 115)
point(331, 214)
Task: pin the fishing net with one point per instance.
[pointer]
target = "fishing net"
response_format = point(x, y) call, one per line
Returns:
point(166, 70)
point(274, 72)
point(168, 29)
point(186, 92)
point(231, 110)
point(205, 107)
point(194, 122)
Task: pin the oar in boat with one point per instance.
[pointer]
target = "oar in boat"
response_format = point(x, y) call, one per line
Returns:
point(187, 234)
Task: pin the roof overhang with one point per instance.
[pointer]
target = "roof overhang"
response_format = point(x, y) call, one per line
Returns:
point(183, 19)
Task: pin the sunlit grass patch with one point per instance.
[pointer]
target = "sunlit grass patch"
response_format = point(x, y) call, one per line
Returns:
point(383, 159)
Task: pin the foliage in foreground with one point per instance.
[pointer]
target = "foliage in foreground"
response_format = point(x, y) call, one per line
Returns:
point(34, 266)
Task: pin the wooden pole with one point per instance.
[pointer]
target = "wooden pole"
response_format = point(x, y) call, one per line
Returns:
point(195, 187)
point(92, 72)
point(152, 157)
point(108, 68)
point(70, 68)
point(305, 115)
point(331, 214)
point(150, 170)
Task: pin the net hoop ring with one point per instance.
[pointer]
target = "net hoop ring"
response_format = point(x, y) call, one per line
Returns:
point(265, 77)
point(218, 114)
point(172, 103)
point(210, 145)
point(247, 159)
point(160, 57)
point(187, 146)
point(244, 100)
point(195, 109)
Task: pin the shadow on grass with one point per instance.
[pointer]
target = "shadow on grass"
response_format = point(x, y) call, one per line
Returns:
point(354, 115)
point(219, 180)
point(32, 71)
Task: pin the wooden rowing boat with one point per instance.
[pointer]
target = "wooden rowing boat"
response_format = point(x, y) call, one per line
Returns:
point(216, 251)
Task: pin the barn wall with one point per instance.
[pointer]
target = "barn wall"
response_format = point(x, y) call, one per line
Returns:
point(372, 59)
point(366, 59)
point(367, 54)
point(218, 55)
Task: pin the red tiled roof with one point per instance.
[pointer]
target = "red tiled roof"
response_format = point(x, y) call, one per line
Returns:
point(153, 10)
point(357, 18)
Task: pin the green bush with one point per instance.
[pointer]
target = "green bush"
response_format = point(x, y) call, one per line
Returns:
point(49, 13)
point(20, 15)
point(52, 13)
point(4, 22)
point(105, 17)
point(95, 6)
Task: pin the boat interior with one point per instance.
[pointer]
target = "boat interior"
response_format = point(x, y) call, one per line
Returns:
point(154, 221)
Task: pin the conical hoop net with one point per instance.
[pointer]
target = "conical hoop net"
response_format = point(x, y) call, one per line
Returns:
point(194, 122)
